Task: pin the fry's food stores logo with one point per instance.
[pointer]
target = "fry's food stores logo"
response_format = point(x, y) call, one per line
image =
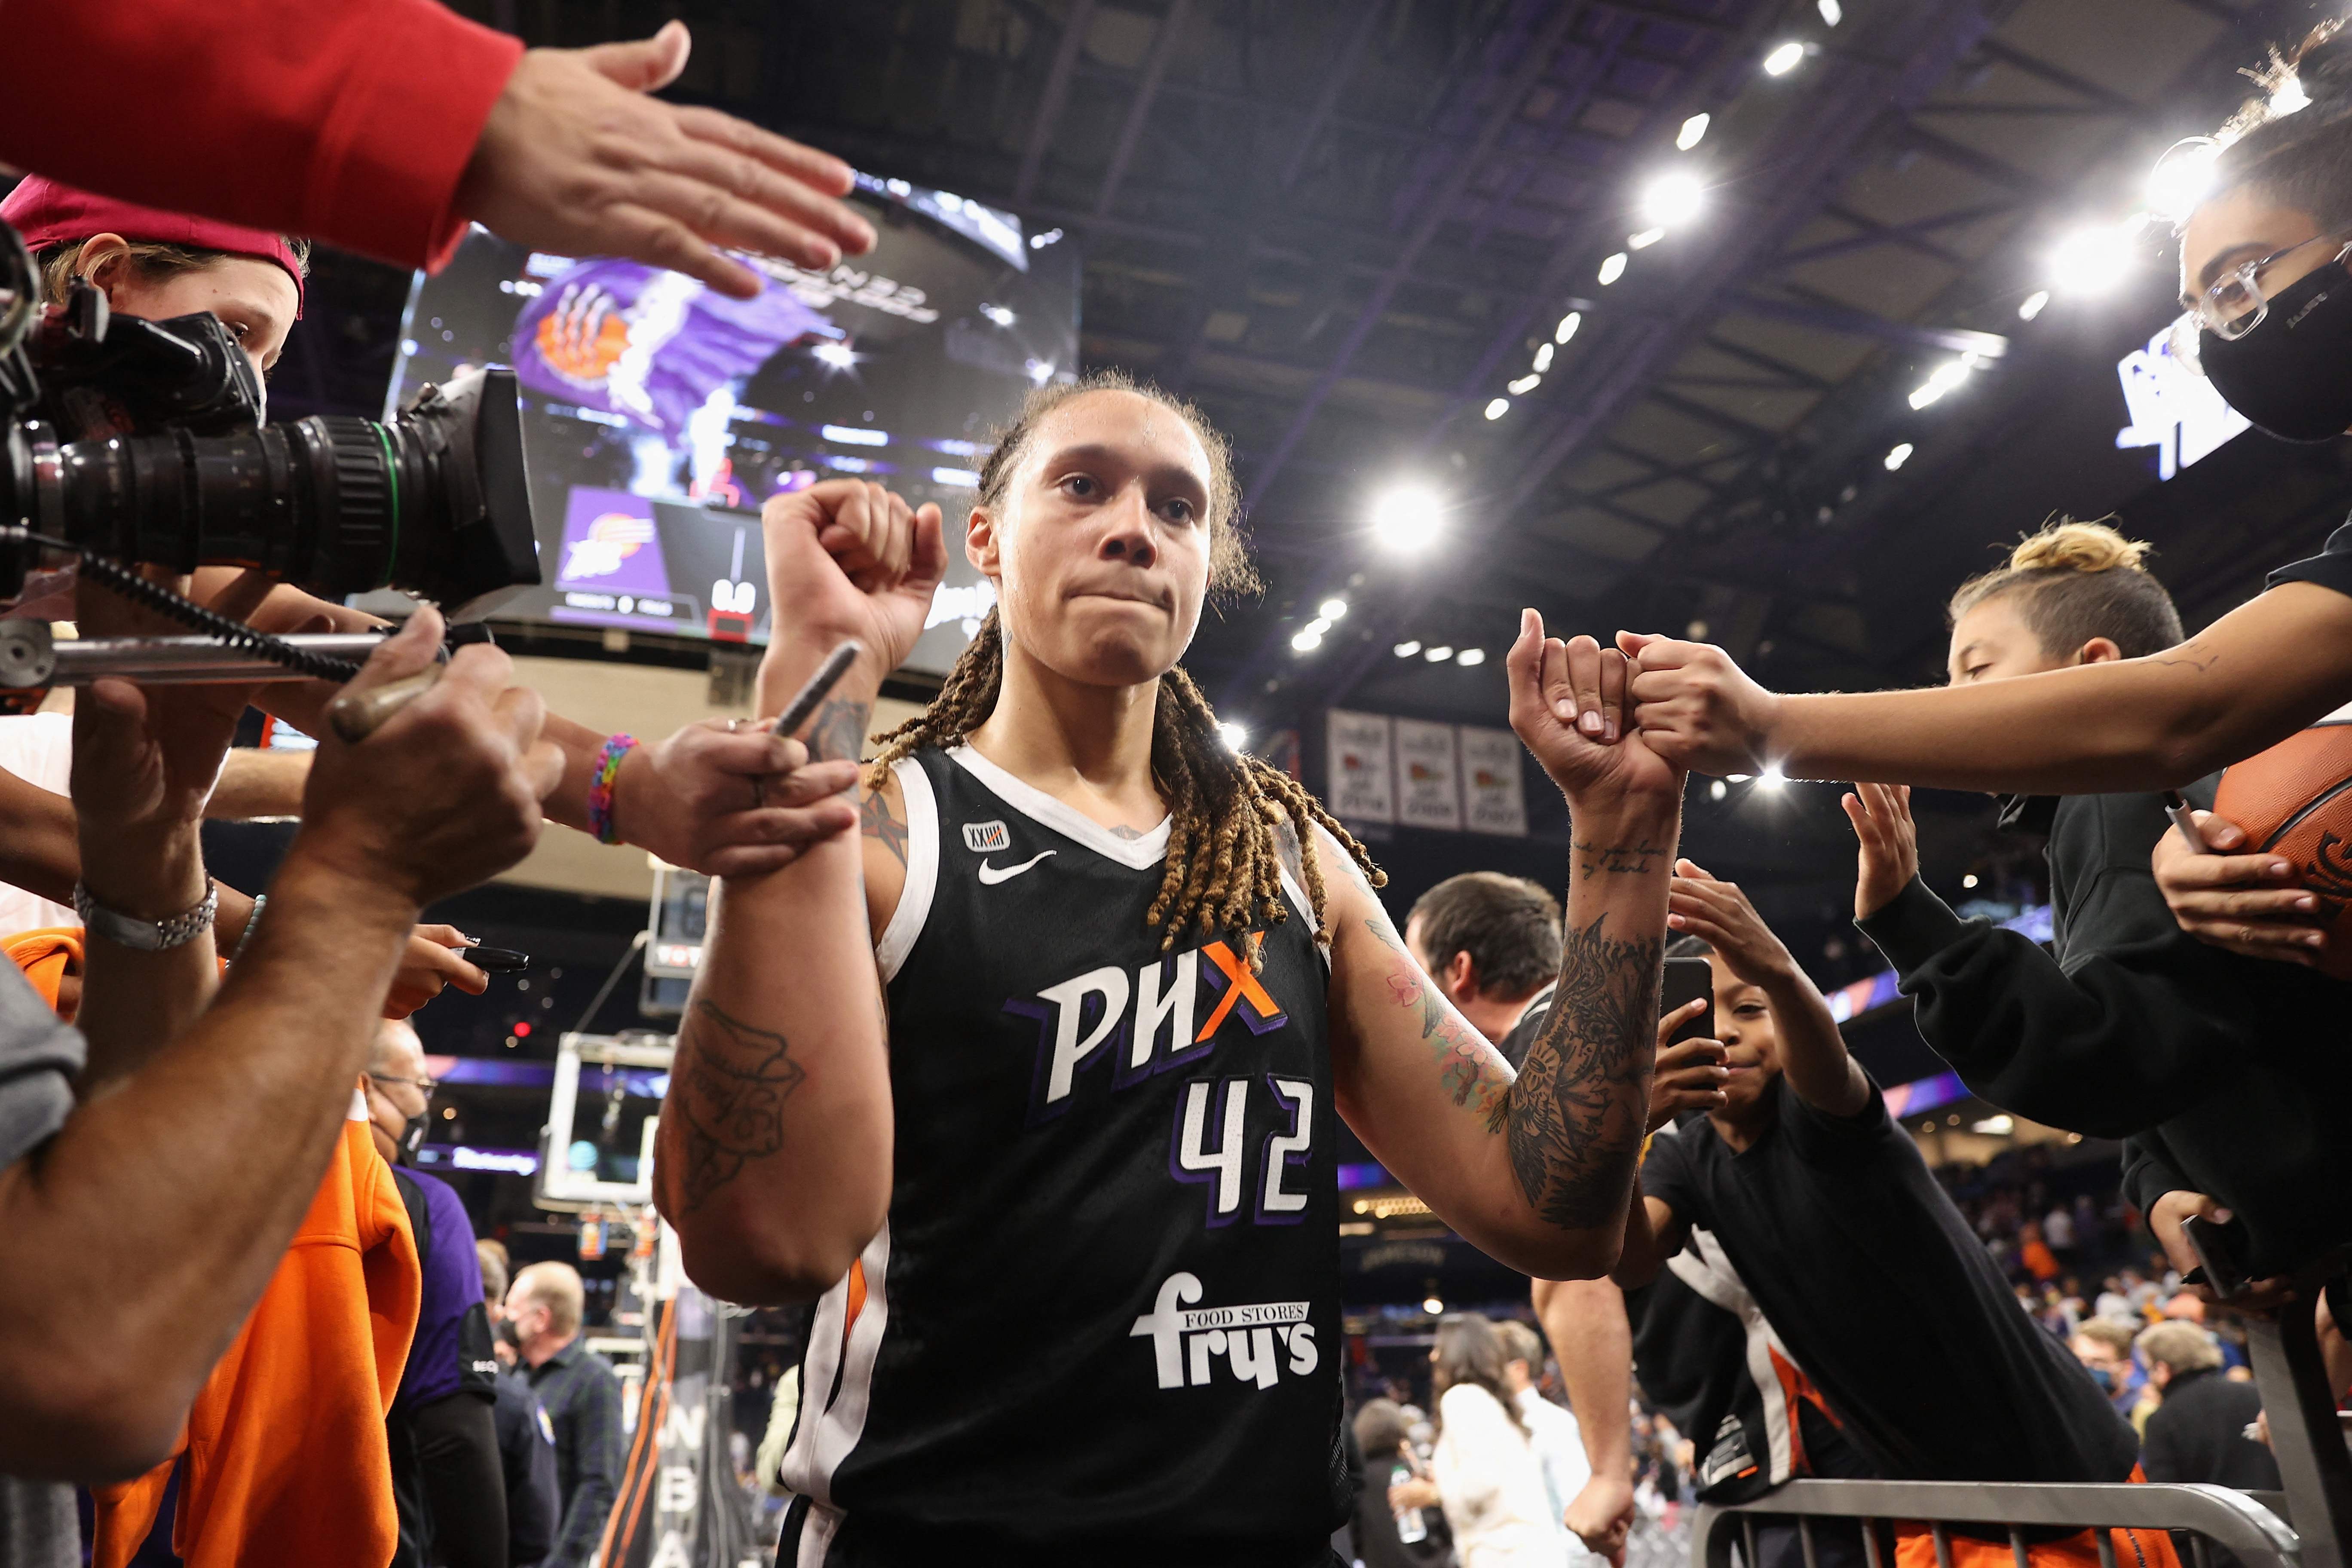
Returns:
point(1258, 1343)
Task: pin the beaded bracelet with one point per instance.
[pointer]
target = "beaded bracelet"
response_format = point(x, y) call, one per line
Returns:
point(600, 789)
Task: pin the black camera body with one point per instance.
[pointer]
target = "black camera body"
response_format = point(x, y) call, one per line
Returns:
point(143, 441)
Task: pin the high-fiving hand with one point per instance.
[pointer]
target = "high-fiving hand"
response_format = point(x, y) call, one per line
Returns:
point(1569, 707)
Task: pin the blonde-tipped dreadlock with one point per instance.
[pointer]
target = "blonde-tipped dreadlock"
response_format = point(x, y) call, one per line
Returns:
point(1223, 870)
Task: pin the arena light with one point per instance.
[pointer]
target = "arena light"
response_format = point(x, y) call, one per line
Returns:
point(1643, 240)
point(1307, 641)
point(1693, 132)
point(1772, 777)
point(1948, 377)
point(1737, 778)
point(2033, 304)
point(1471, 656)
point(1407, 649)
point(1613, 269)
point(1525, 385)
point(1040, 242)
point(2094, 259)
point(1439, 654)
point(1832, 12)
point(1898, 456)
point(1543, 358)
point(1332, 609)
point(1405, 517)
point(1717, 789)
point(1236, 736)
point(1995, 1126)
point(1568, 325)
point(1002, 316)
point(1785, 58)
point(1673, 200)
point(2182, 176)
point(2288, 97)
point(1498, 408)
point(840, 357)
point(1434, 1306)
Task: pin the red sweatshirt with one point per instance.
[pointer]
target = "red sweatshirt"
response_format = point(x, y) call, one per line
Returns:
point(344, 121)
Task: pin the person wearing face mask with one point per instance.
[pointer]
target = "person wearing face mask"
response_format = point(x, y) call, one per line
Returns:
point(582, 1397)
point(2220, 1072)
point(2266, 278)
point(1855, 1254)
point(525, 1436)
point(447, 1477)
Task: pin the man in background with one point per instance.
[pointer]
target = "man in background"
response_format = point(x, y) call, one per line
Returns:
point(445, 1474)
point(525, 1436)
point(583, 1400)
point(2199, 1431)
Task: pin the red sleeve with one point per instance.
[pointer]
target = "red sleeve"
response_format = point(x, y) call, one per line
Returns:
point(345, 120)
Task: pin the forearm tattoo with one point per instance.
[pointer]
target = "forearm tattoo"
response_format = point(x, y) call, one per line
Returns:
point(1472, 1075)
point(1617, 859)
point(839, 730)
point(727, 1094)
point(878, 820)
point(1577, 1112)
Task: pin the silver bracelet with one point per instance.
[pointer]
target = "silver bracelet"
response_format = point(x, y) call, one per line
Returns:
point(244, 937)
point(146, 936)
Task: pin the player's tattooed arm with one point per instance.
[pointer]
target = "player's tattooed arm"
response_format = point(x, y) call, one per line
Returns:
point(728, 1094)
point(1473, 1075)
point(1575, 1113)
point(839, 730)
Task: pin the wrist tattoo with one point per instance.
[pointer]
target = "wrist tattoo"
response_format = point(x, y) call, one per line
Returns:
point(839, 730)
point(1473, 1076)
point(1578, 1110)
point(1598, 860)
point(727, 1095)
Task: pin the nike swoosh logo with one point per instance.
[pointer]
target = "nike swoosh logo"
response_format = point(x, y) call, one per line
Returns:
point(990, 876)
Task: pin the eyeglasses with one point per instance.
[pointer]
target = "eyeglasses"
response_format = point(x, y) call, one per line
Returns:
point(2237, 301)
point(427, 1084)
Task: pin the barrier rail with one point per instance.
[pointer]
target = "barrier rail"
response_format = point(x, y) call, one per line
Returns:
point(2303, 1526)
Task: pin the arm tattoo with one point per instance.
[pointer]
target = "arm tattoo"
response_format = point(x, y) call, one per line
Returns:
point(878, 821)
point(1576, 1113)
point(727, 1096)
point(1471, 1073)
point(1594, 859)
point(838, 730)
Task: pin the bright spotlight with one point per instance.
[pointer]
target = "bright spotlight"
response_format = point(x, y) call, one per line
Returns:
point(1969, 880)
point(1432, 1306)
point(1643, 240)
point(1040, 242)
point(1236, 736)
point(1785, 58)
point(1543, 358)
point(1673, 200)
point(1318, 625)
point(1439, 654)
point(1568, 325)
point(1832, 12)
point(1693, 131)
point(1407, 649)
point(1405, 517)
point(2289, 97)
point(1525, 385)
point(2182, 176)
point(1307, 641)
point(1332, 609)
point(2033, 304)
point(1613, 269)
point(1948, 377)
point(1000, 314)
point(2094, 260)
point(840, 357)
point(1995, 1126)
point(1471, 656)
point(1898, 457)
point(1498, 408)
point(1736, 778)
point(1717, 789)
point(1772, 777)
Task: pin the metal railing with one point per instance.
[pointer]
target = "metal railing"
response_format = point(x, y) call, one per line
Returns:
point(2303, 1526)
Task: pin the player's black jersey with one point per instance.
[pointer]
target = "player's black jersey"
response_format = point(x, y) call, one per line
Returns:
point(1101, 1322)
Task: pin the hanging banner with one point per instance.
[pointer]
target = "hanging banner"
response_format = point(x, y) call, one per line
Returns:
point(1363, 786)
point(1429, 782)
point(1493, 797)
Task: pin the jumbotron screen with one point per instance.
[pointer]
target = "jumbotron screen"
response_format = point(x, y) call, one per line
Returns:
point(659, 416)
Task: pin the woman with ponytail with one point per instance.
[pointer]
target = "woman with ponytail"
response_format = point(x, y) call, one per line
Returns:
point(2266, 288)
point(1066, 1200)
point(2224, 1075)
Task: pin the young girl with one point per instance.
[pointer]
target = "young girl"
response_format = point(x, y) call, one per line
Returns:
point(2264, 268)
point(1067, 1195)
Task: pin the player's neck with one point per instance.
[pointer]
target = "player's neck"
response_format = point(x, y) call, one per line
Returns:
point(1087, 746)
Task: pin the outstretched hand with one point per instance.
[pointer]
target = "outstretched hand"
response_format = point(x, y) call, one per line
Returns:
point(1696, 708)
point(1700, 905)
point(1569, 708)
point(1881, 814)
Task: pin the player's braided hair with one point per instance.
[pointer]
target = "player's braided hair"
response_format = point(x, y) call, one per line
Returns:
point(1223, 870)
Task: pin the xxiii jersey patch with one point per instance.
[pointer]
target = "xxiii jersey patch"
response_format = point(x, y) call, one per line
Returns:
point(1102, 1321)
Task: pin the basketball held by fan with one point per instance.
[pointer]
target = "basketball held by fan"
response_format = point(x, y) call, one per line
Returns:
point(2294, 801)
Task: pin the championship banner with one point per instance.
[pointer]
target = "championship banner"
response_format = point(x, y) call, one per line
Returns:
point(1363, 784)
point(1429, 780)
point(1494, 794)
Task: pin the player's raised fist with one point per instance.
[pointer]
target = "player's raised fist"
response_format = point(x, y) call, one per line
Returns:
point(1697, 709)
point(1569, 706)
point(849, 559)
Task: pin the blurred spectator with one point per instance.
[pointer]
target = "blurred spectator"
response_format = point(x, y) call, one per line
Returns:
point(2104, 1346)
point(2199, 1431)
point(525, 1436)
point(1483, 1472)
point(1558, 1441)
point(1389, 1534)
point(2058, 1233)
point(583, 1400)
point(2034, 1254)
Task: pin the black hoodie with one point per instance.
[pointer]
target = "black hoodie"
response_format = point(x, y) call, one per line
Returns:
point(2225, 1075)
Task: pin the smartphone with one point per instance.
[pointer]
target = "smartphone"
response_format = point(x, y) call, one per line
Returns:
point(1689, 980)
point(2221, 1253)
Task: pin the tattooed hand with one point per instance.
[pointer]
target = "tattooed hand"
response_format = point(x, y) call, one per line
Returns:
point(1569, 709)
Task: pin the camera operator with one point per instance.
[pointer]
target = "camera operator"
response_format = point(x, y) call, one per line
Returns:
point(385, 126)
point(138, 1227)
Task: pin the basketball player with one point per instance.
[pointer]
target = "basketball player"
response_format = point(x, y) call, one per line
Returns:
point(1850, 1248)
point(2266, 260)
point(1068, 1195)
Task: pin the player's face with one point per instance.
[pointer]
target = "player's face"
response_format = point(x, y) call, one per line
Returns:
point(255, 299)
point(1743, 1021)
point(1101, 557)
point(1992, 642)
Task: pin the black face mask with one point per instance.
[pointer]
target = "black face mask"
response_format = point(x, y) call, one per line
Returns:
point(2291, 375)
point(507, 1334)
